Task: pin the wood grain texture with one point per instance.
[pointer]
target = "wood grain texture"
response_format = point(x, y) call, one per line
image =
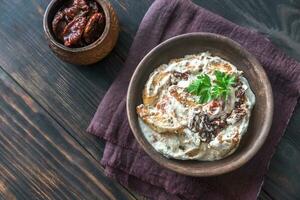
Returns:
point(283, 177)
point(278, 19)
point(39, 159)
point(70, 94)
point(131, 13)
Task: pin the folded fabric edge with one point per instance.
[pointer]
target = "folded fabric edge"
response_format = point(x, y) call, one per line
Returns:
point(140, 186)
point(113, 160)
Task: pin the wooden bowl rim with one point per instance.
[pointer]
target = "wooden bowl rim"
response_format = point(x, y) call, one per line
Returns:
point(103, 5)
point(217, 169)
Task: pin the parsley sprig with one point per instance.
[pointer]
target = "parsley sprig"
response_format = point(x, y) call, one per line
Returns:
point(207, 91)
point(202, 88)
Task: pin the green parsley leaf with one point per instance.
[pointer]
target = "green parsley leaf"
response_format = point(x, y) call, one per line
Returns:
point(201, 87)
point(207, 91)
point(223, 84)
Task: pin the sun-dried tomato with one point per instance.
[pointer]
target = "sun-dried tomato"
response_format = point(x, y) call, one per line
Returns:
point(58, 25)
point(93, 28)
point(73, 31)
point(72, 12)
point(78, 23)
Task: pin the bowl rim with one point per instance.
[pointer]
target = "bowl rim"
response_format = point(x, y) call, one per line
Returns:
point(214, 170)
point(103, 5)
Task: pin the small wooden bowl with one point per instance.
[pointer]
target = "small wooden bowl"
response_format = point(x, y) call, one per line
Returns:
point(261, 116)
point(88, 54)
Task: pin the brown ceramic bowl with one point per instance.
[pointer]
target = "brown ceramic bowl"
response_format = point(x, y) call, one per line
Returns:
point(227, 49)
point(91, 53)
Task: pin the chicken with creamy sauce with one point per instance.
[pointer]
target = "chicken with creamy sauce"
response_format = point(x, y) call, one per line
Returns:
point(189, 112)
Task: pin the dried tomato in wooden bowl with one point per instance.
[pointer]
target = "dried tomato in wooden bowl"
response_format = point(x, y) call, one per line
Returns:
point(81, 31)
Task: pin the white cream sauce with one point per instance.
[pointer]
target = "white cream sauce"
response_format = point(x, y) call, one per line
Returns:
point(167, 114)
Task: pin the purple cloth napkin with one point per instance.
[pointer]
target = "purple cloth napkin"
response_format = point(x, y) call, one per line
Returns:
point(125, 161)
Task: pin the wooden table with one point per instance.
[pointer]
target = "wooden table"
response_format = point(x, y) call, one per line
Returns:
point(46, 104)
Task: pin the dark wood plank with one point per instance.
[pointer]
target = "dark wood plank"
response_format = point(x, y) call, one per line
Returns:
point(69, 93)
point(264, 196)
point(284, 174)
point(39, 159)
point(278, 19)
point(130, 13)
